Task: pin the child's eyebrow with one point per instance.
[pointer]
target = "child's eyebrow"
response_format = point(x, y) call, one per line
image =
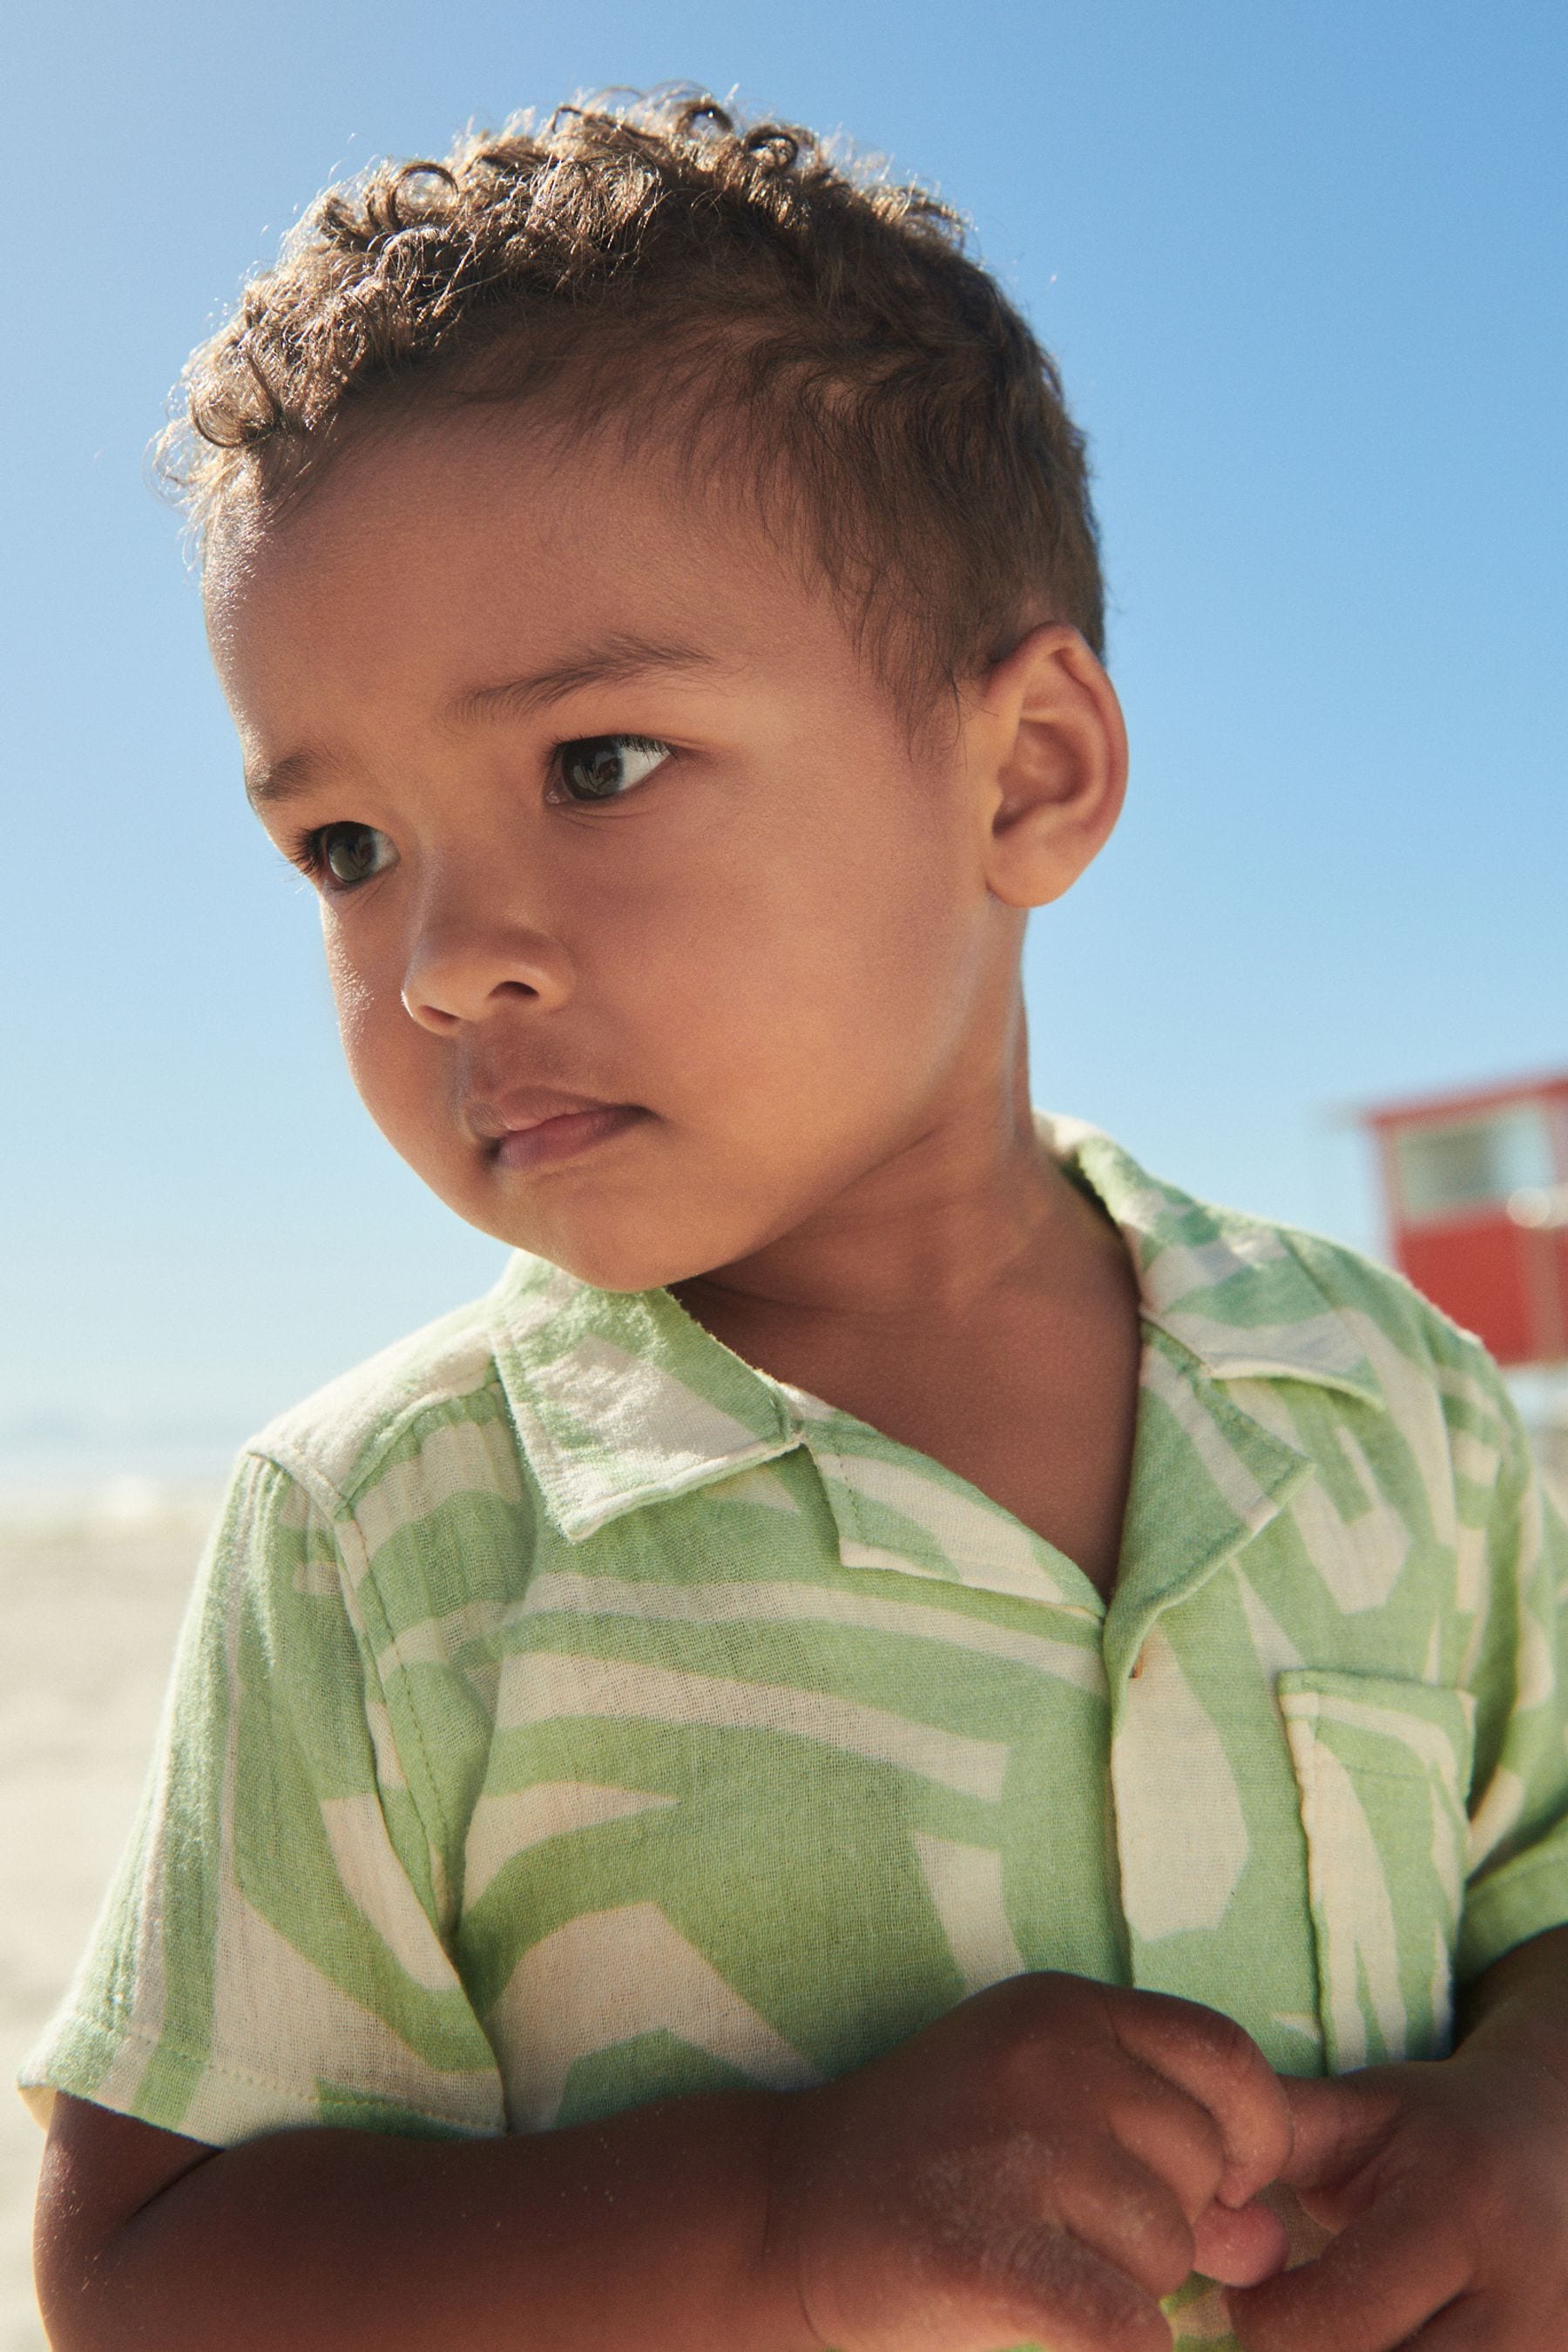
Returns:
point(613, 662)
point(286, 779)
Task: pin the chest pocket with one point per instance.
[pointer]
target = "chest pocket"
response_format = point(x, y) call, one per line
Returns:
point(1383, 1767)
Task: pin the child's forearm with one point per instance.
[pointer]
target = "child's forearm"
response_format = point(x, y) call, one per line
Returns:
point(648, 2230)
point(978, 2185)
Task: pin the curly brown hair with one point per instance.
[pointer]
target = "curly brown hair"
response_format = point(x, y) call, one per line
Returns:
point(663, 265)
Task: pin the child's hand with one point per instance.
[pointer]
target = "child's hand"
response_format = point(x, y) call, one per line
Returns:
point(1448, 2183)
point(1044, 2162)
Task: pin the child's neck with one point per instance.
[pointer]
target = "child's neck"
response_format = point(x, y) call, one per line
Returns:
point(990, 1324)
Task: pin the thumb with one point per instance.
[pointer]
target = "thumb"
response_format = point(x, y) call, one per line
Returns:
point(1336, 2125)
point(1239, 2246)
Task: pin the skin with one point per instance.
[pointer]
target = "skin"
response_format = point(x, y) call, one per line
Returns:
point(793, 947)
point(787, 959)
point(1446, 2182)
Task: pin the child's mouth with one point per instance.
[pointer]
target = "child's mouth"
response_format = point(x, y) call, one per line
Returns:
point(564, 1134)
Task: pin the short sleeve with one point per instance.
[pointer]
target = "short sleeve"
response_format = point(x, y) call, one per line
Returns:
point(1517, 1551)
point(270, 1951)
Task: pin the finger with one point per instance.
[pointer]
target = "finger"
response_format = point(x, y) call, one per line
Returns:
point(1475, 2324)
point(1172, 2133)
point(1062, 2292)
point(1210, 2058)
point(1372, 2287)
point(1181, 2144)
point(1123, 2211)
point(1336, 2125)
point(1241, 2248)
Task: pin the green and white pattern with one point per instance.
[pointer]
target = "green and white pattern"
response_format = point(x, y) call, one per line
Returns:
point(569, 1716)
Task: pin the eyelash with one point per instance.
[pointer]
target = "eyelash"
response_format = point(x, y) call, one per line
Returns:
point(307, 850)
point(635, 744)
point(304, 850)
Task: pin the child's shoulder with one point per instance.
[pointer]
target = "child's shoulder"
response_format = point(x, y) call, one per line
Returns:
point(1251, 1295)
point(440, 1390)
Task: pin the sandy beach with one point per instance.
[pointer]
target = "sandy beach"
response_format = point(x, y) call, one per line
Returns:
point(90, 1600)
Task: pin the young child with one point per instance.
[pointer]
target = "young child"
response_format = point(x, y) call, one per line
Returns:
point(904, 1740)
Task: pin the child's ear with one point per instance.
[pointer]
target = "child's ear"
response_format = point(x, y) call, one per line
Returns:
point(1050, 742)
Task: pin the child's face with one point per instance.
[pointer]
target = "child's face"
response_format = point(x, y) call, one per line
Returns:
point(644, 1033)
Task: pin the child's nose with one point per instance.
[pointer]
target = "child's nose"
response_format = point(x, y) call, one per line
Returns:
point(460, 967)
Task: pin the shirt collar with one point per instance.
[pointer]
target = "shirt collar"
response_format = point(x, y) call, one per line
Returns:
point(621, 1399)
point(1228, 1287)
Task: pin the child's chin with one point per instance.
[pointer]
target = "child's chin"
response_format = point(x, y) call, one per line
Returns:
point(616, 1260)
point(645, 1237)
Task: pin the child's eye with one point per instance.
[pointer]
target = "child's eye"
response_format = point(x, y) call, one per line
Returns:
point(603, 767)
point(343, 856)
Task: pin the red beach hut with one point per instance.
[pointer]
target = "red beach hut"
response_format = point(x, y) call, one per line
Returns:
point(1476, 1186)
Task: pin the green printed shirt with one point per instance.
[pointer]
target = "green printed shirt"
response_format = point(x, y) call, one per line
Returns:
point(569, 1716)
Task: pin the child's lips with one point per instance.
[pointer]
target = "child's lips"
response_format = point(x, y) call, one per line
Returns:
point(564, 1136)
point(531, 1128)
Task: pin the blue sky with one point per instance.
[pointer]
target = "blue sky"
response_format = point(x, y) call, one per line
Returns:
point(1302, 266)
